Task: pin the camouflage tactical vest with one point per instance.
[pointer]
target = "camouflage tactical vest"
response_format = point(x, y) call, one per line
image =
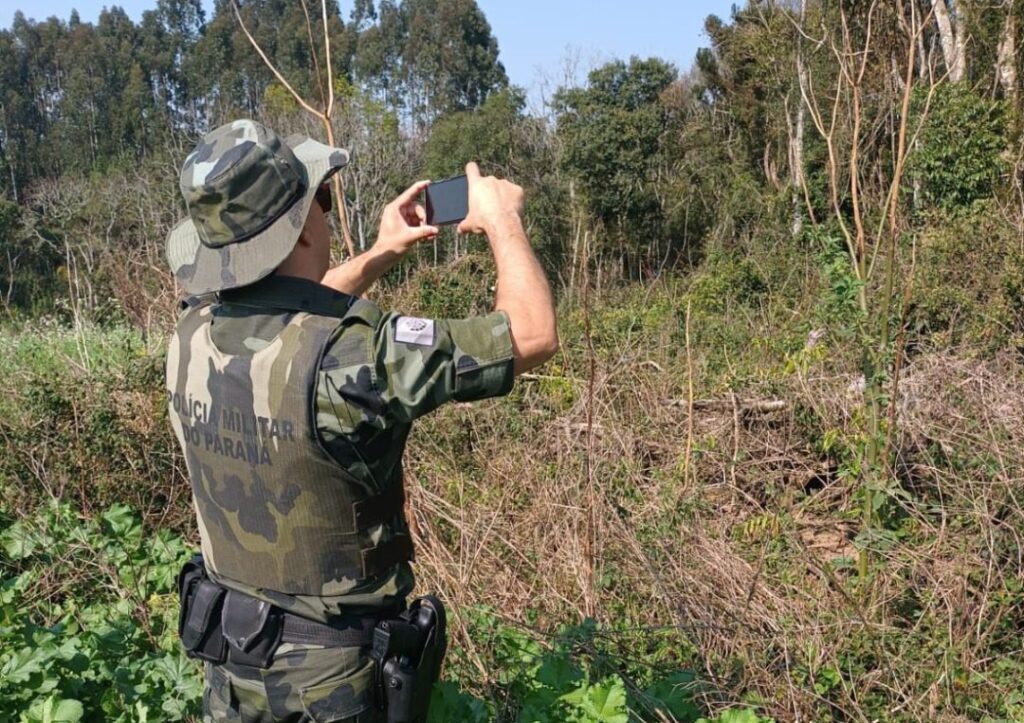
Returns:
point(275, 510)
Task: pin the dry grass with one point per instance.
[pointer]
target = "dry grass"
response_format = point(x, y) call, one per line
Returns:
point(743, 548)
point(727, 531)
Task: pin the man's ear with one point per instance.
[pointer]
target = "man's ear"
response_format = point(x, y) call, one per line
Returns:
point(305, 238)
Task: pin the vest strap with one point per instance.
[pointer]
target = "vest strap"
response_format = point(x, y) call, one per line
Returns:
point(380, 508)
point(381, 557)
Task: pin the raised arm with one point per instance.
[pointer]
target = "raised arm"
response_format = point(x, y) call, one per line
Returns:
point(495, 209)
point(401, 227)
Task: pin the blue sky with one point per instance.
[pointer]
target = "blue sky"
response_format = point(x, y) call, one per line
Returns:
point(539, 39)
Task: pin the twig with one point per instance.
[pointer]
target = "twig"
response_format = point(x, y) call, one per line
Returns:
point(689, 401)
point(551, 377)
point(316, 60)
point(327, 52)
point(270, 65)
point(724, 405)
point(591, 538)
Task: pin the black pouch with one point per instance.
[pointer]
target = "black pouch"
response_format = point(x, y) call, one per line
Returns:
point(252, 629)
point(199, 622)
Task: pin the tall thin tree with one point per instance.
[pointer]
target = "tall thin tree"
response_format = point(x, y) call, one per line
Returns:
point(323, 114)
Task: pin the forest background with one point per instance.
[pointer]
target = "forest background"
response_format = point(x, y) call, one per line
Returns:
point(775, 471)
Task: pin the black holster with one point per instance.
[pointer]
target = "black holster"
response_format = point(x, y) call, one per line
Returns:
point(407, 652)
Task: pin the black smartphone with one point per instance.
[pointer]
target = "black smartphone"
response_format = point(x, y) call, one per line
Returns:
point(447, 201)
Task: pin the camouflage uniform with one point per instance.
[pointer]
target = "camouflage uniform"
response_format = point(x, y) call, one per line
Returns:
point(292, 402)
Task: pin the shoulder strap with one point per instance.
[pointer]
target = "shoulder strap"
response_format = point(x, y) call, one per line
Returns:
point(363, 310)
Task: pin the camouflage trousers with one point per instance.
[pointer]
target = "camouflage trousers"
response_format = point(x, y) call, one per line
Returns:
point(304, 684)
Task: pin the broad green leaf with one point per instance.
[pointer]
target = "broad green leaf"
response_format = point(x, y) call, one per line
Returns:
point(122, 521)
point(607, 702)
point(21, 666)
point(19, 541)
point(576, 696)
point(48, 684)
point(68, 711)
point(558, 672)
point(604, 702)
point(448, 703)
point(675, 695)
point(736, 715)
point(52, 710)
point(182, 675)
point(175, 708)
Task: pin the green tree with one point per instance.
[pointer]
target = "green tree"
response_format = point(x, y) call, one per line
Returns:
point(450, 58)
point(32, 100)
point(508, 142)
point(489, 135)
point(615, 132)
point(750, 72)
point(377, 57)
point(281, 31)
point(168, 37)
point(79, 124)
point(962, 151)
point(19, 120)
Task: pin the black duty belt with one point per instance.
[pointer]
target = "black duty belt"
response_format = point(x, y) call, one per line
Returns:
point(357, 633)
point(219, 624)
point(229, 628)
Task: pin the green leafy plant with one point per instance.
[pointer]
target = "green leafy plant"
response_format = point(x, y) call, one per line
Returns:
point(89, 620)
point(962, 146)
point(573, 676)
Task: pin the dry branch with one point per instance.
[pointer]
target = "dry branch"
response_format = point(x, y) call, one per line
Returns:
point(324, 116)
point(762, 406)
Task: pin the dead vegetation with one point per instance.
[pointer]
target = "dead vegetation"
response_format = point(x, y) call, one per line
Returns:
point(722, 540)
point(747, 549)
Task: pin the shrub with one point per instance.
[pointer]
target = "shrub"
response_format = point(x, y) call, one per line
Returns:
point(83, 418)
point(962, 151)
point(88, 620)
point(969, 281)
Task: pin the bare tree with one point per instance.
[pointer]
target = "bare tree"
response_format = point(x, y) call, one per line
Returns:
point(324, 113)
point(1006, 55)
point(385, 155)
point(836, 112)
point(798, 183)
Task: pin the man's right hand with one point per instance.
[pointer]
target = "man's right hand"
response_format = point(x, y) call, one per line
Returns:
point(493, 204)
point(495, 208)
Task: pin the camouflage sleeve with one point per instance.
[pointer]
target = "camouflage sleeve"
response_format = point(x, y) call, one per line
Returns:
point(423, 363)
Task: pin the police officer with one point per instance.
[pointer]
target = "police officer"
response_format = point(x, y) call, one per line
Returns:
point(292, 399)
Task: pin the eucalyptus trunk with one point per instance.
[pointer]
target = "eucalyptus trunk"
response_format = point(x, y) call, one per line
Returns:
point(796, 139)
point(951, 38)
point(1006, 56)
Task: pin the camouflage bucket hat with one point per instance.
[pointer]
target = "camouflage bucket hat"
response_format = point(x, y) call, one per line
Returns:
point(248, 194)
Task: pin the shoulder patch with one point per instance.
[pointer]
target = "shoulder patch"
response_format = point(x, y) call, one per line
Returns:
point(411, 330)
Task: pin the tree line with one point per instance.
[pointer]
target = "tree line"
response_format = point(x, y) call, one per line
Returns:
point(77, 97)
point(788, 124)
